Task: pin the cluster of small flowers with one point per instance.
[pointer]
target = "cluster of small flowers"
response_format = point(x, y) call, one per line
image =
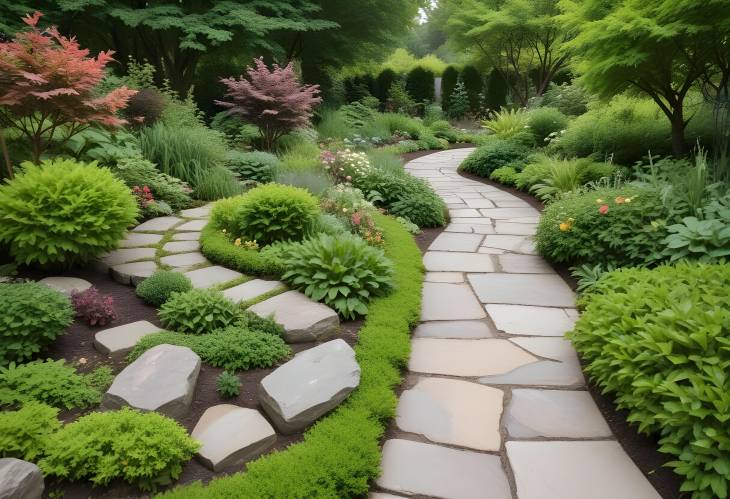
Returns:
point(249, 245)
point(346, 164)
point(603, 209)
point(364, 224)
point(554, 136)
point(143, 195)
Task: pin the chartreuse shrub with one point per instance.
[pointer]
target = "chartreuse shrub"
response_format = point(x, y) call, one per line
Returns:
point(63, 212)
point(506, 175)
point(24, 433)
point(143, 449)
point(158, 287)
point(620, 227)
point(344, 272)
point(33, 315)
point(495, 154)
point(340, 454)
point(658, 341)
point(198, 311)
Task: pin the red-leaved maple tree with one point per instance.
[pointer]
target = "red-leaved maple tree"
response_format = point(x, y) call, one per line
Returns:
point(47, 85)
point(274, 100)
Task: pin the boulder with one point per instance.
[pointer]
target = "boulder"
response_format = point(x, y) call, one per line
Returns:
point(66, 285)
point(117, 341)
point(20, 479)
point(302, 319)
point(314, 382)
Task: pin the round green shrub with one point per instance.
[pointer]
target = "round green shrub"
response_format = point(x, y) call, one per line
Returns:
point(658, 341)
point(383, 83)
point(495, 154)
point(505, 175)
point(569, 98)
point(33, 315)
point(275, 212)
point(473, 84)
point(545, 120)
point(158, 287)
point(198, 311)
point(423, 209)
point(63, 212)
point(143, 449)
point(24, 433)
point(343, 272)
point(258, 166)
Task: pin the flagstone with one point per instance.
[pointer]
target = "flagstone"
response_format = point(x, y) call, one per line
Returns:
point(184, 259)
point(515, 229)
point(524, 264)
point(133, 273)
point(201, 212)
point(251, 289)
point(479, 203)
point(445, 301)
point(186, 236)
point(522, 289)
point(192, 225)
point(211, 276)
point(464, 213)
point(452, 261)
point(159, 224)
point(181, 246)
point(529, 320)
point(66, 285)
point(453, 277)
point(508, 213)
point(117, 341)
point(454, 329)
point(137, 239)
point(126, 255)
point(450, 241)
point(520, 244)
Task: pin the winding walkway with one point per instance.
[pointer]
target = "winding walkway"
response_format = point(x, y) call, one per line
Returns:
point(495, 405)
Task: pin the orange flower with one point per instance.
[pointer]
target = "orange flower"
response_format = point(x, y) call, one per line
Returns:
point(564, 227)
point(237, 242)
point(620, 199)
point(603, 209)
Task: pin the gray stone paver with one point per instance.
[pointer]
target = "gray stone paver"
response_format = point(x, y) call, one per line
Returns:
point(453, 261)
point(181, 246)
point(445, 301)
point(186, 236)
point(137, 239)
point(133, 273)
point(160, 224)
point(119, 340)
point(211, 276)
point(251, 289)
point(453, 241)
point(192, 225)
point(454, 329)
point(548, 290)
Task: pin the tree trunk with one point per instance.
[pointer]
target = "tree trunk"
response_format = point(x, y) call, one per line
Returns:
point(6, 155)
point(679, 145)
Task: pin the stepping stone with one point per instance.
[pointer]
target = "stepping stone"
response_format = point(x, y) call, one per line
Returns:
point(202, 212)
point(469, 195)
point(159, 224)
point(479, 203)
point(126, 255)
point(451, 261)
point(184, 259)
point(117, 341)
point(162, 379)
point(452, 241)
point(554, 413)
point(491, 251)
point(135, 240)
point(518, 244)
point(20, 479)
point(443, 301)
point(435, 471)
point(211, 276)
point(381, 495)
point(465, 213)
point(511, 203)
point(462, 228)
point(515, 228)
point(524, 264)
point(454, 329)
point(186, 236)
point(453, 277)
point(466, 358)
point(230, 435)
point(487, 222)
point(66, 285)
point(310, 385)
point(302, 319)
point(547, 290)
point(192, 225)
point(181, 246)
point(453, 412)
point(509, 213)
point(576, 470)
point(133, 273)
point(251, 289)
point(533, 321)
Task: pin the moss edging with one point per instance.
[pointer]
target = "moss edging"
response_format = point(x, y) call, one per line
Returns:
point(340, 454)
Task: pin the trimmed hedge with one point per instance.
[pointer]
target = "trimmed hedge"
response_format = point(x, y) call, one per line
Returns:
point(216, 246)
point(340, 454)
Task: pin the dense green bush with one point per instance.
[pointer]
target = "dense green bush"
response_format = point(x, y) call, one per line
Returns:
point(218, 182)
point(449, 79)
point(495, 96)
point(658, 341)
point(198, 311)
point(548, 177)
point(569, 98)
point(383, 82)
point(621, 227)
point(474, 84)
point(419, 84)
point(506, 175)
point(143, 449)
point(422, 208)
point(158, 287)
point(219, 248)
point(343, 272)
point(443, 129)
point(703, 240)
point(33, 315)
point(24, 433)
point(253, 322)
point(140, 172)
point(508, 123)
point(54, 383)
point(275, 212)
point(545, 120)
point(63, 212)
point(494, 154)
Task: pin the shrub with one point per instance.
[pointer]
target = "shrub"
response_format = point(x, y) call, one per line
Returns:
point(443, 129)
point(601, 227)
point(33, 316)
point(93, 307)
point(495, 154)
point(458, 101)
point(505, 175)
point(545, 120)
point(276, 213)
point(423, 209)
point(218, 248)
point(198, 311)
point(419, 84)
point(158, 288)
point(344, 272)
point(399, 100)
point(495, 96)
point(383, 82)
point(228, 385)
point(63, 212)
point(140, 172)
point(52, 382)
point(657, 340)
point(145, 107)
point(569, 98)
point(474, 85)
point(507, 123)
point(549, 177)
point(143, 449)
point(24, 433)
point(252, 322)
point(703, 240)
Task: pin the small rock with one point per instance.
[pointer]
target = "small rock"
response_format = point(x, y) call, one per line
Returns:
point(20, 479)
point(66, 285)
point(302, 319)
point(119, 340)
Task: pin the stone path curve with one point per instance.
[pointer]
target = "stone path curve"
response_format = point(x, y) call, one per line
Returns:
point(496, 405)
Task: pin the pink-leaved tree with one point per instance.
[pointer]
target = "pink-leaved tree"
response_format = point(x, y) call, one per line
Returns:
point(273, 99)
point(47, 88)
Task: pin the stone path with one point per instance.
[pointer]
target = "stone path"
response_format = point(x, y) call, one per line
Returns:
point(495, 405)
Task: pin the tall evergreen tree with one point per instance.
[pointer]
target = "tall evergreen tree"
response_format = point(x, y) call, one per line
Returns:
point(420, 84)
point(474, 85)
point(383, 83)
point(497, 90)
point(449, 79)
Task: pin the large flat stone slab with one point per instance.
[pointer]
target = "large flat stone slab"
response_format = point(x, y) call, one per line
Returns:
point(522, 289)
point(576, 470)
point(302, 319)
point(465, 213)
point(192, 225)
point(186, 236)
point(453, 277)
point(517, 244)
point(126, 255)
point(230, 435)
point(66, 285)
point(310, 385)
point(251, 289)
point(138, 239)
point(555, 414)
point(159, 224)
point(181, 246)
point(524, 264)
point(162, 379)
point(211, 276)
point(20, 479)
point(201, 212)
point(435, 471)
point(515, 229)
point(479, 203)
point(444, 301)
point(454, 241)
point(133, 273)
point(451, 261)
point(453, 412)
point(454, 329)
point(184, 259)
point(466, 357)
point(529, 320)
point(509, 213)
point(117, 341)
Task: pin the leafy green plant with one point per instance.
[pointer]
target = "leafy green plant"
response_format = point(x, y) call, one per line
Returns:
point(506, 175)
point(422, 209)
point(507, 123)
point(568, 98)
point(140, 172)
point(563, 176)
point(408, 225)
point(198, 311)
point(219, 248)
point(344, 272)
point(703, 240)
point(253, 322)
point(33, 316)
point(24, 433)
point(545, 120)
point(495, 154)
point(63, 212)
point(657, 340)
point(258, 166)
point(588, 275)
point(228, 385)
point(217, 183)
point(158, 287)
point(143, 449)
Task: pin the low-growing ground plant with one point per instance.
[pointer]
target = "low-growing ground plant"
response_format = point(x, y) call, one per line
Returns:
point(93, 307)
point(25, 432)
point(228, 385)
point(158, 288)
point(198, 311)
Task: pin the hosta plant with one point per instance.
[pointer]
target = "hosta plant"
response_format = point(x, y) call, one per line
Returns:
point(703, 240)
point(158, 287)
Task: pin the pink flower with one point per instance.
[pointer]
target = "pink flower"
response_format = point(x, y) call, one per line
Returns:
point(356, 218)
point(603, 209)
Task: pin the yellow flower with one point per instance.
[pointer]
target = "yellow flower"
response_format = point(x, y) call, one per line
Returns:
point(627, 200)
point(223, 231)
point(564, 227)
point(599, 201)
point(620, 199)
point(237, 242)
